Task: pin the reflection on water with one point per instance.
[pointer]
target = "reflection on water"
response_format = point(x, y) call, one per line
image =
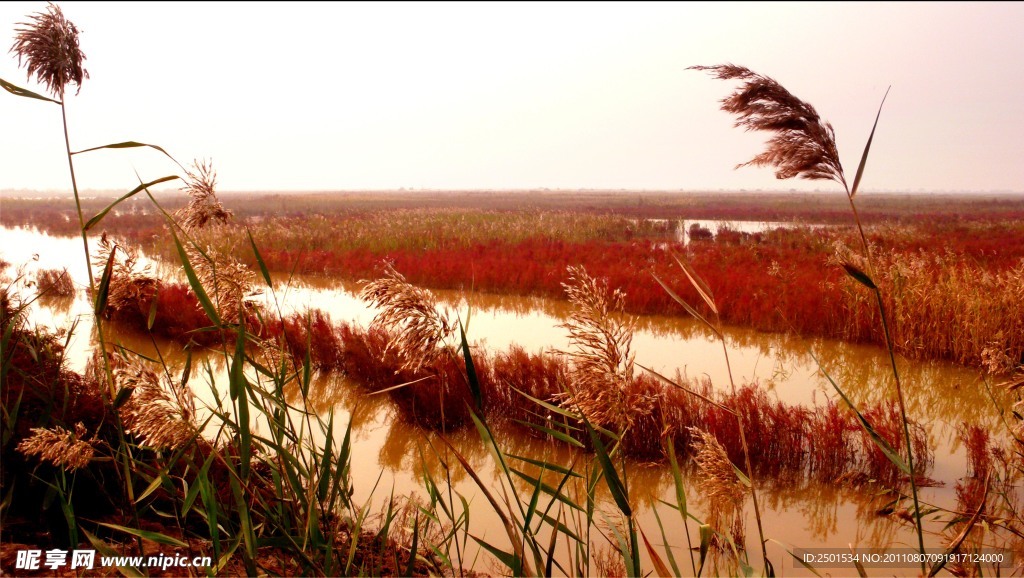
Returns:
point(803, 514)
point(687, 229)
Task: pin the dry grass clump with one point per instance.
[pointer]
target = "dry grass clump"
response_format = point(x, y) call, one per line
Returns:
point(132, 286)
point(49, 47)
point(540, 375)
point(601, 384)
point(433, 394)
point(608, 562)
point(35, 380)
point(62, 448)
point(54, 282)
point(940, 305)
point(159, 414)
point(410, 315)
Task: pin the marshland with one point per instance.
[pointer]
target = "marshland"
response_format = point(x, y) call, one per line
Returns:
point(525, 382)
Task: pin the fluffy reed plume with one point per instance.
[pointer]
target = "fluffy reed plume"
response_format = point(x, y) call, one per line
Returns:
point(54, 282)
point(602, 384)
point(49, 47)
point(159, 414)
point(229, 283)
point(203, 206)
point(721, 486)
point(131, 285)
point(803, 146)
point(409, 315)
point(62, 448)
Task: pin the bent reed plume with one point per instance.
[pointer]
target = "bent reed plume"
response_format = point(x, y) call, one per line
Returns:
point(65, 449)
point(803, 144)
point(49, 48)
point(410, 315)
point(602, 385)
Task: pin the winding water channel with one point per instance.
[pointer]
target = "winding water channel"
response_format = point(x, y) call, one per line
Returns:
point(388, 451)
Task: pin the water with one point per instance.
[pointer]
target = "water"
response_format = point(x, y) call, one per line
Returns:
point(800, 514)
point(686, 228)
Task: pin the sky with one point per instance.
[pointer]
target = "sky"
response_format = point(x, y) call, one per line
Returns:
point(356, 96)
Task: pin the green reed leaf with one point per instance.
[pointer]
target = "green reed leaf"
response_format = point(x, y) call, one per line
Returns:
point(665, 541)
point(18, 91)
point(127, 145)
point(867, 147)
point(239, 391)
point(547, 466)
point(860, 276)
point(546, 488)
point(474, 382)
point(878, 440)
point(146, 535)
point(122, 396)
point(562, 437)
point(99, 216)
point(193, 281)
point(410, 568)
point(259, 259)
point(512, 561)
point(611, 475)
point(103, 292)
point(681, 503)
point(325, 463)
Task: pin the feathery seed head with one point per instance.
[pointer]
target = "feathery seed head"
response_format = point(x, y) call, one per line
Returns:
point(49, 48)
point(410, 314)
point(203, 206)
point(804, 145)
point(62, 448)
point(158, 417)
point(603, 385)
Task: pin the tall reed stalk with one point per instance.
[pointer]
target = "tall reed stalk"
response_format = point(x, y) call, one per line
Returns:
point(803, 145)
point(50, 50)
point(715, 326)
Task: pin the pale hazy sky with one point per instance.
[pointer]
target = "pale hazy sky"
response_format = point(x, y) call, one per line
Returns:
point(515, 95)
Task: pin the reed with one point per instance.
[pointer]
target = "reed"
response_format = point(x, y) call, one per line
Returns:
point(65, 449)
point(720, 485)
point(601, 385)
point(803, 145)
point(412, 315)
point(54, 282)
point(800, 267)
point(262, 483)
point(228, 492)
